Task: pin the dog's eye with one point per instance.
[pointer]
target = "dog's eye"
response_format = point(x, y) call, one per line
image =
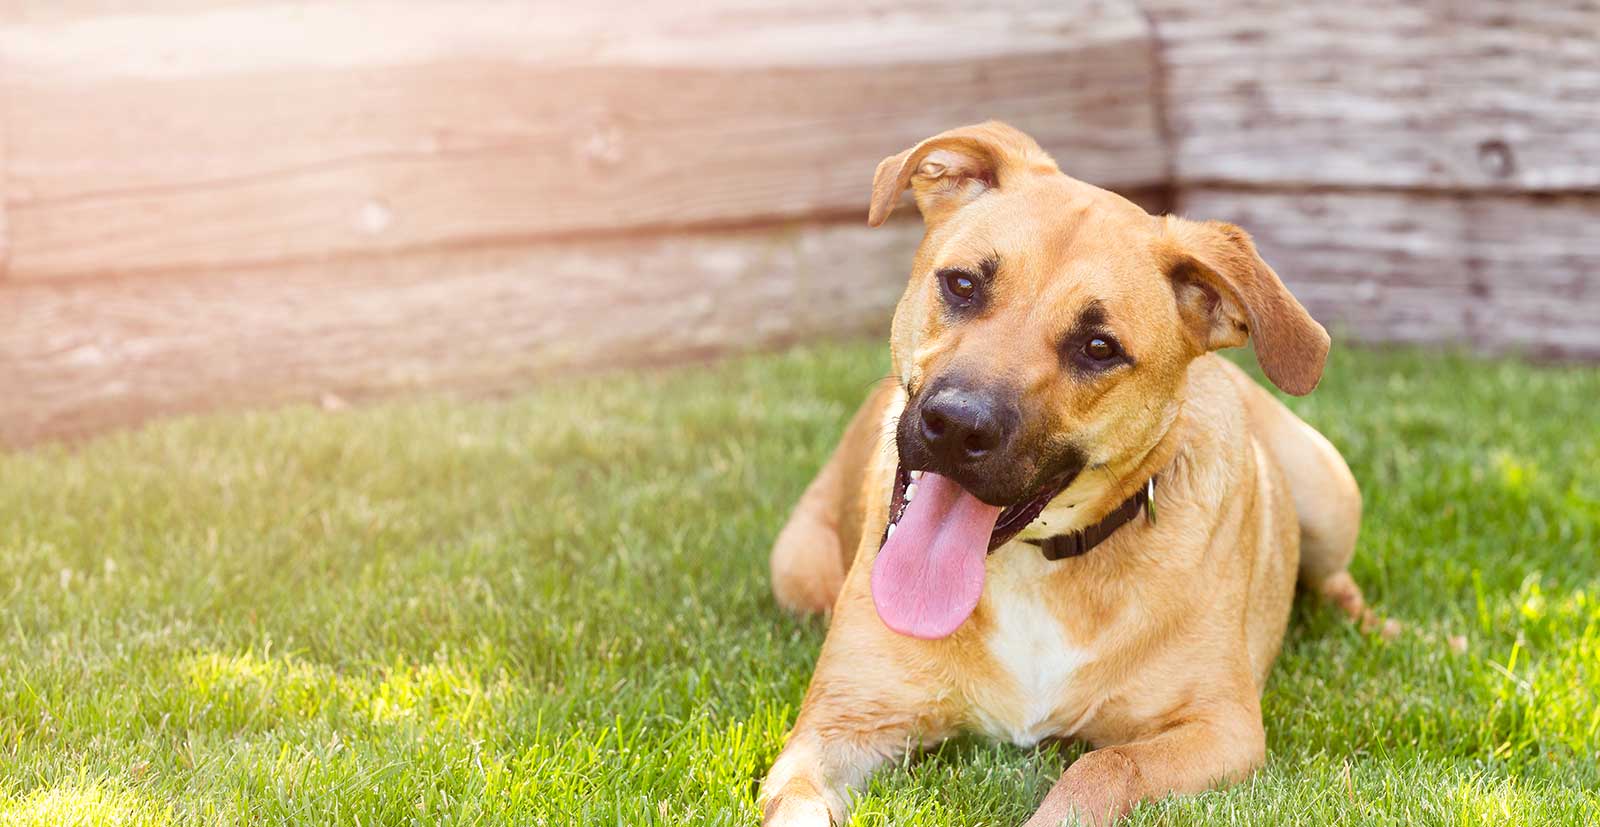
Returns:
point(1101, 349)
point(961, 288)
point(1098, 353)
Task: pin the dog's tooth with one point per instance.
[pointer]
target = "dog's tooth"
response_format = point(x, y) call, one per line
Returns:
point(916, 475)
point(911, 491)
point(891, 532)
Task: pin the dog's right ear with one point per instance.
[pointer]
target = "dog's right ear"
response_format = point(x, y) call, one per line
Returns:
point(952, 168)
point(1230, 295)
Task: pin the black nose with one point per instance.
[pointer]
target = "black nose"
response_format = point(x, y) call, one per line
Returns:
point(963, 426)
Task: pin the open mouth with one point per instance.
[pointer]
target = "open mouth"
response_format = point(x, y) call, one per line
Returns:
point(1012, 520)
point(929, 572)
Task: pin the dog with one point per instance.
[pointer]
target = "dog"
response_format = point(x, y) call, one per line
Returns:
point(1062, 516)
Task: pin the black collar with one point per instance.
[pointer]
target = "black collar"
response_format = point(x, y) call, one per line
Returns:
point(1079, 542)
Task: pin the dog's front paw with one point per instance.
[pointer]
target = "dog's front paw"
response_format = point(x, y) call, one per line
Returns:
point(798, 804)
point(794, 794)
point(1095, 791)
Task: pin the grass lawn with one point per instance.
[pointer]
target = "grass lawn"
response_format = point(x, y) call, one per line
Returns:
point(553, 609)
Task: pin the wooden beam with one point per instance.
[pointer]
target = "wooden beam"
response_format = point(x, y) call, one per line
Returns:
point(1496, 273)
point(5, 167)
point(1438, 95)
point(49, 11)
point(269, 133)
point(5, 225)
point(78, 357)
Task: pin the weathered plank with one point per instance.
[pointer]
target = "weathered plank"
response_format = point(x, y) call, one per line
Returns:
point(1496, 273)
point(5, 226)
point(80, 356)
point(1496, 95)
point(154, 142)
point(46, 11)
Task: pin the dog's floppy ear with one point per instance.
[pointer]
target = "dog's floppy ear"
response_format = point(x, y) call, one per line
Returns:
point(952, 168)
point(1228, 295)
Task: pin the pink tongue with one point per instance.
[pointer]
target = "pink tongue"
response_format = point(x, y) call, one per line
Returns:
point(929, 575)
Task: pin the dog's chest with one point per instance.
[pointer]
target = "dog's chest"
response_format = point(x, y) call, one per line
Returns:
point(1028, 644)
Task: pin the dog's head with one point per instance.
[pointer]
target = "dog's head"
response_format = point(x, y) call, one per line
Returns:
point(1048, 328)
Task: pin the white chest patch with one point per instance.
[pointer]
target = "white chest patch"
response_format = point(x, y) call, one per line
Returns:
point(1028, 644)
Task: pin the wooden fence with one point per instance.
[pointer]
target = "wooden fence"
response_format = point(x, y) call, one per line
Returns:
point(223, 202)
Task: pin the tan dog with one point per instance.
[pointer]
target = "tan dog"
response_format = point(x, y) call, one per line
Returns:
point(1053, 358)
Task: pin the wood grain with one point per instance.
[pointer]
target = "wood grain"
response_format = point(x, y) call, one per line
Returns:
point(5, 224)
point(1418, 172)
point(262, 133)
point(78, 357)
point(46, 11)
point(1495, 95)
point(1494, 273)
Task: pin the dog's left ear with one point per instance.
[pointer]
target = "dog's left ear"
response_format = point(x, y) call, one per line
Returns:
point(1228, 295)
point(952, 168)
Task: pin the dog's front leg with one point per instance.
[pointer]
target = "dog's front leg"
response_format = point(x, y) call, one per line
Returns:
point(839, 739)
point(867, 705)
point(1189, 758)
point(810, 783)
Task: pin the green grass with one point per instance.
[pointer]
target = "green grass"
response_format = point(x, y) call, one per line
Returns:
point(553, 610)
